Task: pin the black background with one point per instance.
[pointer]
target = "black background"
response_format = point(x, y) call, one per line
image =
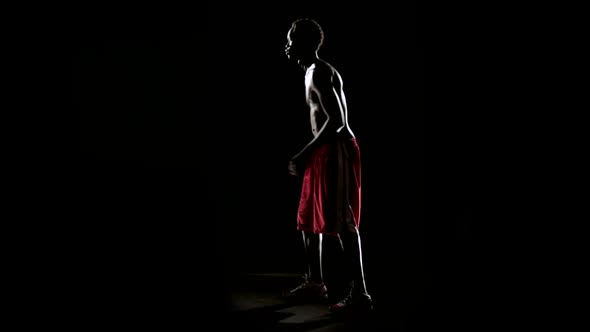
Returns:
point(186, 124)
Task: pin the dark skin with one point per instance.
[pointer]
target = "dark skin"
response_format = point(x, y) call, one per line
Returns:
point(324, 96)
point(328, 118)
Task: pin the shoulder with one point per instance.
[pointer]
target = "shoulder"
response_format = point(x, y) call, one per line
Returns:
point(322, 68)
point(322, 73)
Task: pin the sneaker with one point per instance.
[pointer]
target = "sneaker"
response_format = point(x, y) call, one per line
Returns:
point(355, 302)
point(308, 290)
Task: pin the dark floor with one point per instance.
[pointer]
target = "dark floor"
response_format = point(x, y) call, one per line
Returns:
point(254, 302)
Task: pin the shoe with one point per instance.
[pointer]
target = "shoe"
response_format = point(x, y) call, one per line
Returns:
point(353, 302)
point(308, 290)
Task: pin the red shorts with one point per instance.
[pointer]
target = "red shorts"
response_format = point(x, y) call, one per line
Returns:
point(330, 200)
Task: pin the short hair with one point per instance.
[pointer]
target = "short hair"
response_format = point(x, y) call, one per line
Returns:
point(309, 30)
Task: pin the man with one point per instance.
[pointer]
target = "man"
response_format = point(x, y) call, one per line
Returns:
point(329, 207)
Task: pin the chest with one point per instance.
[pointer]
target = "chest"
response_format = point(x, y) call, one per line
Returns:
point(308, 88)
point(311, 95)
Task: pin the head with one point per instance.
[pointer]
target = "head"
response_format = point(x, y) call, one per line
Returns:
point(304, 39)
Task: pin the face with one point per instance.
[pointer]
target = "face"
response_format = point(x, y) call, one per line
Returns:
point(290, 51)
point(295, 49)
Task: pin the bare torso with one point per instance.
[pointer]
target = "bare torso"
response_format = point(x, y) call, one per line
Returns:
point(318, 115)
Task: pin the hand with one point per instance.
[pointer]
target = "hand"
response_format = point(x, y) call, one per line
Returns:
point(293, 168)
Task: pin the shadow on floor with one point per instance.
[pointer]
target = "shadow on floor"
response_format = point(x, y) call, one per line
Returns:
point(256, 304)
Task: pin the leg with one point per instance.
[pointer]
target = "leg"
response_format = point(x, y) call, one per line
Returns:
point(358, 297)
point(354, 260)
point(312, 288)
point(334, 267)
point(313, 253)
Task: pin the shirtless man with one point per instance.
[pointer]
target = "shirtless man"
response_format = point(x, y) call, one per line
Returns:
point(329, 206)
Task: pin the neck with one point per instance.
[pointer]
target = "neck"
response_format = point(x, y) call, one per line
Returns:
point(309, 61)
